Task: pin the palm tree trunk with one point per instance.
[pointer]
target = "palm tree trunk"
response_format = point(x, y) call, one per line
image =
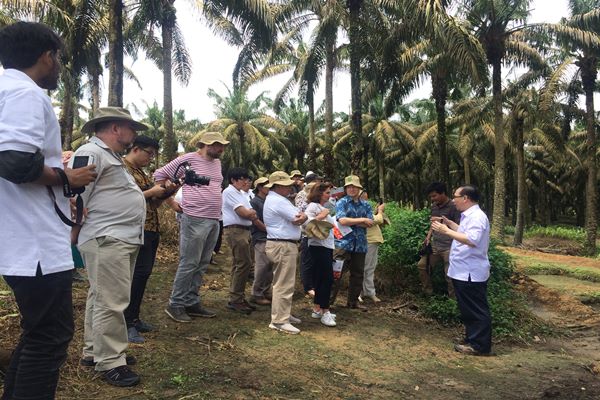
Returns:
point(439, 85)
point(311, 132)
point(467, 168)
point(328, 167)
point(170, 143)
point(521, 188)
point(66, 111)
point(115, 54)
point(588, 79)
point(95, 91)
point(381, 175)
point(499, 159)
point(356, 119)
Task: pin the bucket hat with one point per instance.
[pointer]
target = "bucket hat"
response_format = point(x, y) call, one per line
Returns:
point(260, 181)
point(352, 180)
point(295, 173)
point(279, 178)
point(318, 229)
point(209, 138)
point(105, 114)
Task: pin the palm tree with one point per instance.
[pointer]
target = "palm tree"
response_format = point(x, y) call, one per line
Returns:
point(246, 124)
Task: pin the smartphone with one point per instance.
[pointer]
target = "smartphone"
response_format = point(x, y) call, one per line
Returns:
point(82, 161)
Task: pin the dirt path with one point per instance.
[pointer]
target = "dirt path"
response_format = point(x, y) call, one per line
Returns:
point(573, 261)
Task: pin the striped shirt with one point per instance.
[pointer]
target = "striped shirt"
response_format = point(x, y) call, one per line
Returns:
point(198, 201)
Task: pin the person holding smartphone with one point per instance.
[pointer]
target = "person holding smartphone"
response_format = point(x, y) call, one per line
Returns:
point(36, 260)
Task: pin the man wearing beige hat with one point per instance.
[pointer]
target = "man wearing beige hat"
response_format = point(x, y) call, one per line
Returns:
point(199, 223)
point(282, 221)
point(109, 242)
point(296, 176)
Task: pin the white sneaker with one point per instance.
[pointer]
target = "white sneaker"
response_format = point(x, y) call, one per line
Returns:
point(294, 320)
point(360, 299)
point(328, 319)
point(316, 314)
point(287, 328)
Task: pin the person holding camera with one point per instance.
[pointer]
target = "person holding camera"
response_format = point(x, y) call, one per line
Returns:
point(199, 224)
point(436, 247)
point(238, 216)
point(109, 240)
point(36, 260)
point(140, 155)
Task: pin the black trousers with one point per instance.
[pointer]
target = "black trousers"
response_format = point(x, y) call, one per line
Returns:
point(46, 308)
point(475, 313)
point(322, 273)
point(355, 263)
point(220, 238)
point(141, 273)
point(306, 266)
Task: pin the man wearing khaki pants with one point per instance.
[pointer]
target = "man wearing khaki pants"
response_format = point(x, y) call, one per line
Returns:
point(282, 221)
point(237, 219)
point(109, 242)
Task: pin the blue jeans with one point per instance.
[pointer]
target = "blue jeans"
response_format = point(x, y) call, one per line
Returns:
point(46, 309)
point(197, 239)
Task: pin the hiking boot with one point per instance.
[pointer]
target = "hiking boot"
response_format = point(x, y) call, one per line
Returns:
point(178, 314)
point(328, 319)
point(261, 301)
point(197, 311)
point(468, 350)
point(89, 361)
point(286, 328)
point(133, 336)
point(143, 326)
point(239, 307)
point(121, 376)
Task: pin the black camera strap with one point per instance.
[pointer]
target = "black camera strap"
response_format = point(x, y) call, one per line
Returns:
point(67, 192)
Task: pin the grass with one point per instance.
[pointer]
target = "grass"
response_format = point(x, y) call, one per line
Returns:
point(581, 273)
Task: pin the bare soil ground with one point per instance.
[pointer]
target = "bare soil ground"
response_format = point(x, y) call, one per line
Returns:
point(390, 352)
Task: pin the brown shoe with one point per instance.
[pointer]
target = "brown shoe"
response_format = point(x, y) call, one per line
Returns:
point(239, 307)
point(468, 350)
point(357, 306)
point(262, 301)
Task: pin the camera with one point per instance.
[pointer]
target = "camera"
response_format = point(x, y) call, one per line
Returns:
point(190, 176)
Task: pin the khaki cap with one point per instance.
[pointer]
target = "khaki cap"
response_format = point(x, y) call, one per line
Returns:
point(260, 181)
point(279, 178)
point(296, 173)
point(352, 180)
point(105, 114)
point(318, 229)
point(209, 138)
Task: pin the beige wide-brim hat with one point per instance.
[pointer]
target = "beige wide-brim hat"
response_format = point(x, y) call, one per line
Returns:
point(296, 173)
point(209, 138)
point(318, 229)
point(260, 181)
point(279, 178)
point(352, 180)
point(105, 114)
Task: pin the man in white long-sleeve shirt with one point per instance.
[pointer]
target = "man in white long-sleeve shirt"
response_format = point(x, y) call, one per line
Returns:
point(470, 269)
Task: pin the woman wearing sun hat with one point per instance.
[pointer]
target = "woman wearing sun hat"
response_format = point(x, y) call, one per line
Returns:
point(354, 216)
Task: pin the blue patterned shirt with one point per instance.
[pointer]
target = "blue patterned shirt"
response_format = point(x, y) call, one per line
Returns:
point(355, 241)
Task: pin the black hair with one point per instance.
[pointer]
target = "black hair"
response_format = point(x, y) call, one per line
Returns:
point(311, 177)
point(237, 173)
point(22, 44)
point(471, 192)
point(143, 142)
point(438, 187)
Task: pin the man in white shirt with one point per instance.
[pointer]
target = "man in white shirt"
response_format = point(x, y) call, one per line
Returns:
point(238, 215)
point(36, 257)
point(470, 269)
point(282, 221)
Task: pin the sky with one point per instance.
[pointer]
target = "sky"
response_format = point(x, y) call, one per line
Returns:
point(213, 60)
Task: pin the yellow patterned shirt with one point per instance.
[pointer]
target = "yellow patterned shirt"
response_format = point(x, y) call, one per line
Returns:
point(145, 183)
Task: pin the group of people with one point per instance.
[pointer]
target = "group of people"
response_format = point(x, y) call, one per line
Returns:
point(116, 229)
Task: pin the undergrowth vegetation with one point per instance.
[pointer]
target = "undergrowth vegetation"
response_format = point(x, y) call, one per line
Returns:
point(557, 231)
point(397, 269)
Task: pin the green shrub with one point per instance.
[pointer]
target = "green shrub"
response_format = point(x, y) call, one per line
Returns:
point(397, 269)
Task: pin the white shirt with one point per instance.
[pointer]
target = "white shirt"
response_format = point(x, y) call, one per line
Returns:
point(312, 211)
point(467, 261)
point(232, 199)
point(278, 214)
point(31, 230)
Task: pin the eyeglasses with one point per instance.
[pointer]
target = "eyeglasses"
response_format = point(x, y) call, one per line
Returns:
point(150, 153)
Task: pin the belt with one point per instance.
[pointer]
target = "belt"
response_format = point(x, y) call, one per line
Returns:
point(246, 227)
point(284, 240)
